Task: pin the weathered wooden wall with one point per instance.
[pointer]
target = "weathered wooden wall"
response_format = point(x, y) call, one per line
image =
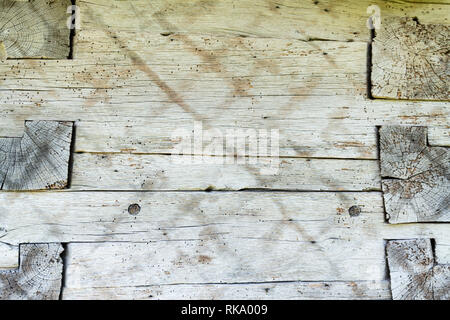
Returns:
point(138, 225)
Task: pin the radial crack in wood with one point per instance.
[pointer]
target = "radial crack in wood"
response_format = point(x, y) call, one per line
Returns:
point(414, 275)
point(35, 28)
point(39, 276)
point(416, 177)
point(39, 160)
point(410, 60)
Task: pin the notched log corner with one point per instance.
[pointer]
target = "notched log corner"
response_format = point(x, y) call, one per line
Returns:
point(410, 60)
point(414, 275)
point(415, 176)
point(39, 276)
point(35, 28)
point(39, 160)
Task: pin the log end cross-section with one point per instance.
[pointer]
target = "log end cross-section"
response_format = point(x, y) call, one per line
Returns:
point(39, 160)
point(39, 276)
point(416, 177)
point(414, 275)
point(34, 29)
point(410, 60)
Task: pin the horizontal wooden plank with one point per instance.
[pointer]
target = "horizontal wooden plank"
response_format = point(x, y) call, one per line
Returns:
point(163, 172)
point(221, 260)
point(313, 233)
point(339, 20)
point(315, 128)
point(203, 67)
point(360, 290)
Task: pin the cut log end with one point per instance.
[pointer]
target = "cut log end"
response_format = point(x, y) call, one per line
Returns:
point(414, 275)
point(39, 160)
point(35, 29)
point(39, 276)
point(416, 177)
point(410, 60)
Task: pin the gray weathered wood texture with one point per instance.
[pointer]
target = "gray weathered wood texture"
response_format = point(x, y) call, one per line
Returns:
point(344, 20)
point(38, 277)
point(135, 222)
point(307, 231)
point(319, 111)
point(410, 60)
point(416, 177)
point(34, 29)
point(159, 172)
point(441, 282)
point(39, 159)
point(357, 290)
point(414, 275)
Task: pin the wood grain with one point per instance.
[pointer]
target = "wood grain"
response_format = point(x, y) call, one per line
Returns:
point(162, 172)
point(416, 177)
point(410, 60)
point(316, 100)
point(39, 274)
point(356, 290)
point(140, 226)
point(414, 275)
point(39, 159)
point(35, 29)
point(343, 20)
point(441, 282)
point(311, 235)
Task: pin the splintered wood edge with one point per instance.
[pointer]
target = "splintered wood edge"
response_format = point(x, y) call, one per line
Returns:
point(413, 273)
point(35, 29)
point(409, 60)
point(39, 160)
point(415, 176)
point(39, 276)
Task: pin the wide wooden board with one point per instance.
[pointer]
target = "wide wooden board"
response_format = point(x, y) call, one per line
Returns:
point(163, 172)
point(344, 20)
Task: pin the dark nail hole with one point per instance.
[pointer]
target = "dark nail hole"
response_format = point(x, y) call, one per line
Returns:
point(354, 211)
point(134, 209)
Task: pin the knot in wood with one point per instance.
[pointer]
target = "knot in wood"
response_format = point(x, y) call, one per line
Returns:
point(354, 211)
point(134, 209)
